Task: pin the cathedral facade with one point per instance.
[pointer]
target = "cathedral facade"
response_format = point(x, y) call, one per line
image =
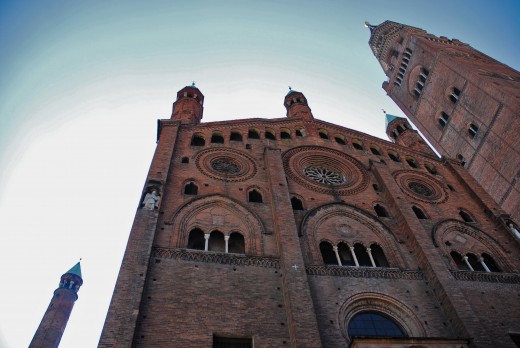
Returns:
point(295, 232)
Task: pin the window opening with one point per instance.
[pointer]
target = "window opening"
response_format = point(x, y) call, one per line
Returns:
point(419, 213)
point(345, 255)
point(411, 162)
point(459, 261)
point(217, 139)
point(216, 241)
point(285, 135)
point(362, 255)
point(371, 324)
point(375, 151)
point(327, 253)
point(196, 239)
point(465, 216)
point(197, 140)
point(236, 244)
point(472, 130)
point(454, 95)
point(255, 196)
point(461, 159)
point(357, 145)
point(443, 119)
point(475, 263)
point(430, 168)
point(379, 256)
point(232, 342)
point(185, 160)
point(235, 136)
point(490, 263)
point(299, 133)
point(253, 134)
point(323, 135)
point(269, 135)
point(340, 141)
point(380, 211)
point(191, 189)
point(296, 204)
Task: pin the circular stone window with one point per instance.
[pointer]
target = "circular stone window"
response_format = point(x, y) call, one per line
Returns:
point(421, 187)
point(225, 164)
point(325, 170)
point(324, 175)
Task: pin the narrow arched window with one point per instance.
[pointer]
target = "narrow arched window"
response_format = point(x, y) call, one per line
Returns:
point(327, 253)
point(299, 133)
point(196, 239)
point(380, 211)
point(357, 145)
point(270, 135)
point(191, 189)
point(253, 134)
point(490, 263)
point(419, 213)
point(323, 134)
point(400, 129)
point(375, 151)
point(345, 255)
point(461, 159)
point(255, 197)
point(459, 261)
point(362, 255)
point(443, 119)
point(185, 160)
point(379, 256)
point(472, 130)
point(296, 204)
point(376, 187)
point(465, 216)
point(197, 140)
point(217, 138)
point(394, 156)
point(430, 168)
point(454, 95)
point(236, 244)
point(285, 134)
point(235, 136)
point(411, 162)
point(372, 324)
point(340, 141)
point(216, 242)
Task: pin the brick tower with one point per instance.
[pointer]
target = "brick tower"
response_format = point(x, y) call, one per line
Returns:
point(464, 102)
point(295, 232)
point(57, 315)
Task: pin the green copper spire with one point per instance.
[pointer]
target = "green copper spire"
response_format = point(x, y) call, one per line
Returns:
point(390, 118)
point(75, 270)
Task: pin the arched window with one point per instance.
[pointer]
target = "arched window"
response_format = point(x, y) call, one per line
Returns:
point(394, 156)
point(400, 129)
point(454, 95)
point(376, 187)
point(185, 160)
point(255, 197)
point(285, 134)
point(323, 134)
point(430, 168)
point(459, 261)
point(375, 151)
point(217, 138)
point(196, 239)
point(357, 144)
point(451, 187)
point(216, 242)
point(419, 213)
point(296, 204)
point(372, 324)
point(465, 216)
point(443, 119)
point(362, 255)
point(253, 134)
point(345, 255)
point(299, 133)
point(191, 189)
point(236, 244)
point(235, 136)
point(411, 162)
point(380, 211)
point(472, 130)
point(340, 140)
point(490, 263)
point(327, 253)
point(461, 159)
point(270, 135)
point(379, 256)
point(197, 140)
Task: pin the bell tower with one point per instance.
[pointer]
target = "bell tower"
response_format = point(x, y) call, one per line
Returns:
point(464, 102)
point(188, 107)
point(401, 132)
point(57, 315)
point(296, 105)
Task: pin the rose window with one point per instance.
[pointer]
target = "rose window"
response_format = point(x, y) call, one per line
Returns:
point(324, 175)
point(421, 189)
point(225, 165)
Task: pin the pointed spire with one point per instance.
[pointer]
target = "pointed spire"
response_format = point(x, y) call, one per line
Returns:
point(390, 118)
point(76, 270)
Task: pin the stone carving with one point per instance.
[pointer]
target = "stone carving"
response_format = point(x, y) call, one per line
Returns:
point(215, 257)
point(510, 278)
point(514, 230)
point(151, 200)
point(362, 272)
point(324, 175)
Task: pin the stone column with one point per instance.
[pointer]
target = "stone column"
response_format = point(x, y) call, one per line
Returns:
point(353, 253)
point(335, 248)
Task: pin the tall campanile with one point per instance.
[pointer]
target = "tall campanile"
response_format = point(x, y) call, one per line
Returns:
point(57, 315)
point(464, 102)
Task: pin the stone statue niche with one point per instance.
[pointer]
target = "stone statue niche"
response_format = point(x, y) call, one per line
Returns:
point(151, 198)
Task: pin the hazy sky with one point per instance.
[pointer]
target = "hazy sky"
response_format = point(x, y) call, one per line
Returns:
point(83, 83)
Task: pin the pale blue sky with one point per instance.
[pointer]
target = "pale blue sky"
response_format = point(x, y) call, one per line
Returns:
point(82, 84)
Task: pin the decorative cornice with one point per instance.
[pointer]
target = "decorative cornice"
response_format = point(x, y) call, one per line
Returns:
point(216, 257)
point(363, 272)
point(493, 277)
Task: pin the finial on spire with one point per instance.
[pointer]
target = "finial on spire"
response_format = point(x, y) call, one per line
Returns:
point(367, 23)
point(369, 26)
point(384, 112)
point(290, 88)
point(193, 83)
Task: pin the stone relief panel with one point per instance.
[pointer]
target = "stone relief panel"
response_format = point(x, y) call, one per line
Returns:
point(325, 170)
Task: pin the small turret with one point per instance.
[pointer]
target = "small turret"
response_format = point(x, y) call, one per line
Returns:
point(188, 107)
point(400, 131)
point(55, 319)
point(296, 105)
